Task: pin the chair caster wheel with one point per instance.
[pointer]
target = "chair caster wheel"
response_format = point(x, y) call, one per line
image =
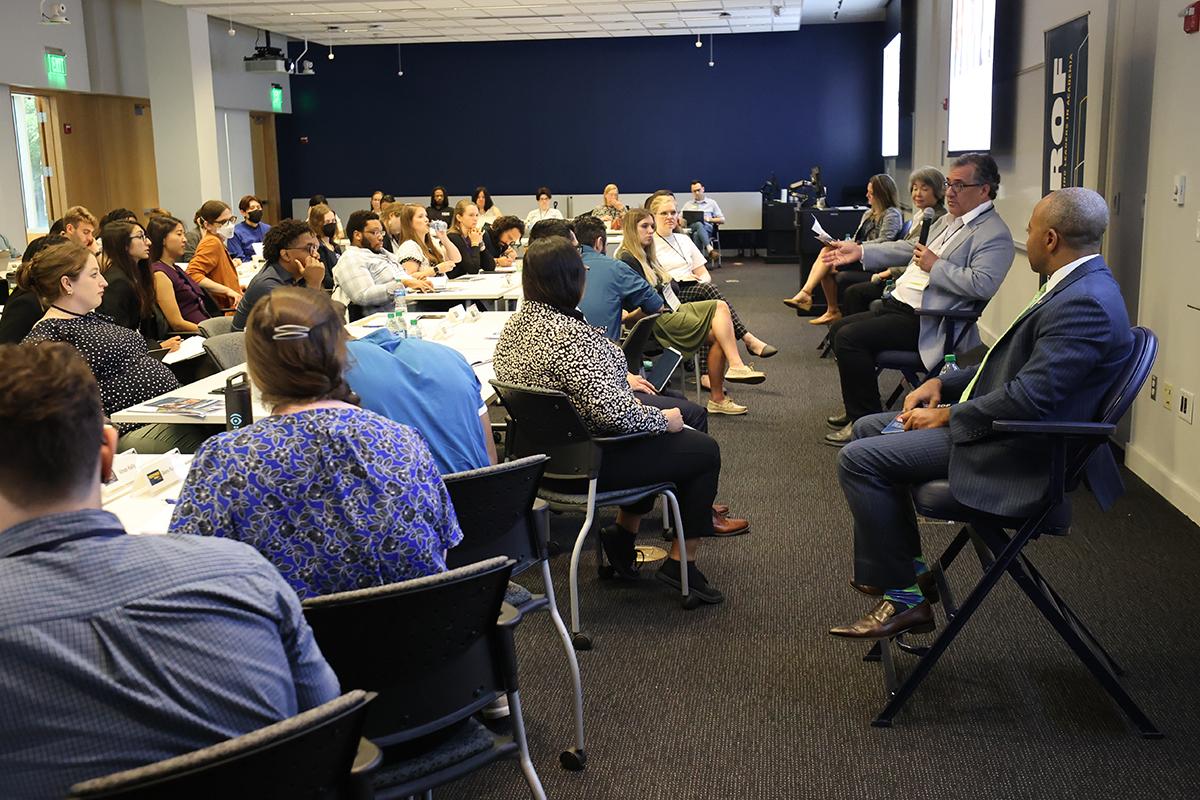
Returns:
point(691, 602)
point(581, 641)
point(574, 759)
point(606, 571)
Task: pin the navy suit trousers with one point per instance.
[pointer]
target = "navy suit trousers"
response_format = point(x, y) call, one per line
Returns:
point(875, 471)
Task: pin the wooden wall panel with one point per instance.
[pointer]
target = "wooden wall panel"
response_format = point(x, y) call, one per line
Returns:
point(266, 166)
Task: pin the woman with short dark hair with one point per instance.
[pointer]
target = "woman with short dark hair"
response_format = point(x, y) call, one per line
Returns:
point(547, 344)
point(336, 497)
point(543, 210)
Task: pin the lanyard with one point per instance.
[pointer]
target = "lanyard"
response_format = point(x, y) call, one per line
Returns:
point(678, 251)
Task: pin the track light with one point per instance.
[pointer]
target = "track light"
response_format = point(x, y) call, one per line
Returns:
point(330, 51)
point(698, 42)
point(399, 62)
point(711, 60)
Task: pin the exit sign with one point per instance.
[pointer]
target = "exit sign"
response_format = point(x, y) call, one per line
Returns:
point(56, 68)
point(277, 98)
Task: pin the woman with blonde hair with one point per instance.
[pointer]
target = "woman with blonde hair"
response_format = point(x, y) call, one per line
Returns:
point(420, 256)
point(687, 326)
point(322, 222)
point(467, 236)
point(882, 222)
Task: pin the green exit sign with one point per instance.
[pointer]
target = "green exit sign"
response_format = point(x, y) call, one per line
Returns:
point(276, 98)
point(56, 69)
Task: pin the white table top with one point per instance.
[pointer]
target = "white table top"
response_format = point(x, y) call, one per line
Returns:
point(475, 340)
point(482, 286)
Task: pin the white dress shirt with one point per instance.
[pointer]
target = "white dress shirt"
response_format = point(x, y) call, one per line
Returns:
point(910, 287)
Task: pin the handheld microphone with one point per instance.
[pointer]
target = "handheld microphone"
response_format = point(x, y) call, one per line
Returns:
point(926, 222)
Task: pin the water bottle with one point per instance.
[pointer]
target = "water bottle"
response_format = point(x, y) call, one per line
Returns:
point(238, 409)
point(400, 300)
point(889, 287)
point(950, 364)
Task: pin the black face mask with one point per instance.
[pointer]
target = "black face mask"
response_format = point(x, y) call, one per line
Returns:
point(329, 229)
point(255, 216)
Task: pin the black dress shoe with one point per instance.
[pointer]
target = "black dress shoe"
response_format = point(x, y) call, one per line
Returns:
point(840, 437)
point(620, 550)
point(698, 585)
point(887, 621)
point(926, 581)
point(839, 421)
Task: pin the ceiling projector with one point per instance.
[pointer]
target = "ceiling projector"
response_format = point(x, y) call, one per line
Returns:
point(54, 13)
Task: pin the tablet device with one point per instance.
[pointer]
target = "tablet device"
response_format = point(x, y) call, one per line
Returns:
point(895, 426)
point(659, 374)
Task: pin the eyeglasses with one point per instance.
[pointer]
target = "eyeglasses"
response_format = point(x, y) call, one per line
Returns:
point(958, 186)
point(139, 237)
point(312, 248)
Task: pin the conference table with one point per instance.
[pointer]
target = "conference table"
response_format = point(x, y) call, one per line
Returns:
point(475, 339)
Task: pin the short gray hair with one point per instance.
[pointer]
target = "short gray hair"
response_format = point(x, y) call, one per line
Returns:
point(986, 171)
point(933, 178)
point(1078, 215)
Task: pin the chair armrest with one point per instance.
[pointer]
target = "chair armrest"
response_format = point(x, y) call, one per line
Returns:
point(966, 314)
point(366, 761)
point(624, 437)
point(1100, 430)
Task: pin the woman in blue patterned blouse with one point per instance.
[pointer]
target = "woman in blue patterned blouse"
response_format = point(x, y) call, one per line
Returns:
point(335, 496)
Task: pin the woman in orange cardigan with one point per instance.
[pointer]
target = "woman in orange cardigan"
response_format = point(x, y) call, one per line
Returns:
point(211, 266)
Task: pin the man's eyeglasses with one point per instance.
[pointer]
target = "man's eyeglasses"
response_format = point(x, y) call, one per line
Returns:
point(312, 248)
point(958, 186)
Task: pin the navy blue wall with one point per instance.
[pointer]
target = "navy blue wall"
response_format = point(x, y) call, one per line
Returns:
point(565, 113)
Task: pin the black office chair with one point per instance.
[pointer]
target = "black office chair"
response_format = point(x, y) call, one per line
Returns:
point(309, 755)
point(1072, 445)
point(545, 422)
point(635, 342)
point(908, 362)
point(436, 650)
point(499, 514)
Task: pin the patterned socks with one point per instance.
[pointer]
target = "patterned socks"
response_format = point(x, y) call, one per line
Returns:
point(912, 595)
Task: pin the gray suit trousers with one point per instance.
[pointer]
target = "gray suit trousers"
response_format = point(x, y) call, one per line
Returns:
point(875, 472)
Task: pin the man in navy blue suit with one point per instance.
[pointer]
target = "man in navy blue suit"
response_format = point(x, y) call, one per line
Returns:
point(1055, 362)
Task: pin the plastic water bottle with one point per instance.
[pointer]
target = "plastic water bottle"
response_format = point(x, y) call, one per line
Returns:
point(400, 302)
point(889, 287)
point(950, 363)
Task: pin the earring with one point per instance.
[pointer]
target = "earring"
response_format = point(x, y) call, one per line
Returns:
point(70, 292)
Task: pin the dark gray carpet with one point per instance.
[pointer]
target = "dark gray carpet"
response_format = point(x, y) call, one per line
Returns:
point(752, 699)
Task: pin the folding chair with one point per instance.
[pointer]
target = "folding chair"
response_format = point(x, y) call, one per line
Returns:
point(908, 362)
point(499, 514)
point(1072, 445)
point(226, 349)
point(310, 755)
point(545, 422)
point(436, 650)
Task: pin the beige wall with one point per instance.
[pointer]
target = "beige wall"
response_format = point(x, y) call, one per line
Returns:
point(1165, 450)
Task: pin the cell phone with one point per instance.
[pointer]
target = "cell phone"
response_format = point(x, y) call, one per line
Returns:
point(895, 426)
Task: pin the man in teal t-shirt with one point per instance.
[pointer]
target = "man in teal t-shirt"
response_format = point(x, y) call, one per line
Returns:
point(429, 387)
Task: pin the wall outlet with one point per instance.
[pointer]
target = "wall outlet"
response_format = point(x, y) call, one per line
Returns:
point(1186, 401)
point(1168, 396)
point(1153, 388)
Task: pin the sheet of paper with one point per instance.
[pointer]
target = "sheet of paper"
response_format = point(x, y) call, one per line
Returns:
point(819, 232)
point(191, 347)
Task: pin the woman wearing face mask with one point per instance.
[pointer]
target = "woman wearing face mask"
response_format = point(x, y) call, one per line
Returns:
point(323, 224)
point(129, 299)
point(468, 238)
point(211, 266)
point(543, 210)
point(181, 300)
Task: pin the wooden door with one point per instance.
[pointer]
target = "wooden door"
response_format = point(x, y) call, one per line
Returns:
point(266, 166)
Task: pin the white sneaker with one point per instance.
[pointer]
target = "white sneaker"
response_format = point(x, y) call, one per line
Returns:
point(726, 406)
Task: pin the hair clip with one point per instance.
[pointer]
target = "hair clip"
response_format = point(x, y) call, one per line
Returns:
point(283, 332)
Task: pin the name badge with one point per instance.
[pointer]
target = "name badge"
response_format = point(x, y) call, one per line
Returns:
point(669, 296)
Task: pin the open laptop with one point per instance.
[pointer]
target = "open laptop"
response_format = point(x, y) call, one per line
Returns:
point(692, 217)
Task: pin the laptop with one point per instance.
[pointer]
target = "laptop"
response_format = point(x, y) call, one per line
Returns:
point(692, 217)
point(659, 374)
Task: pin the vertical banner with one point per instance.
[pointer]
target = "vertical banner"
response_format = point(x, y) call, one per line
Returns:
point(1066, 105)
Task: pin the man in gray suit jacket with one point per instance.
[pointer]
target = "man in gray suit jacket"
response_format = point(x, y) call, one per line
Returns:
point(1056, 361)
point(968, 254)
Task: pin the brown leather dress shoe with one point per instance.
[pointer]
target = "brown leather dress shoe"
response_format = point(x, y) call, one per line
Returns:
point(729, 526)
point(720, 509)
point(886, 621)
point(926, 581)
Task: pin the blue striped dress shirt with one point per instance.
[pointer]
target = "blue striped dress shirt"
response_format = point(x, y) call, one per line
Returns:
point(117, 650)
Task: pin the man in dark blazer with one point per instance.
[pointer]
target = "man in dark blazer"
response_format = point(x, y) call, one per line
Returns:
point(1055, 362)
point(969, 253)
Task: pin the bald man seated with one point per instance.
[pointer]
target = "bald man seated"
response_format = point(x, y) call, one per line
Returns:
point(1056, 361)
